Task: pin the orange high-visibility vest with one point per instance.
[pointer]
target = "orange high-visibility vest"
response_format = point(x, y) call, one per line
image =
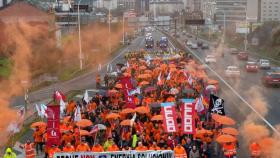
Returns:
point(29, 150)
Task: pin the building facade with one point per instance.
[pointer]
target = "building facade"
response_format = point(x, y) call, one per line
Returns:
point(4, 2)
point(270, 10)
point(233, 10)
point(165, 7)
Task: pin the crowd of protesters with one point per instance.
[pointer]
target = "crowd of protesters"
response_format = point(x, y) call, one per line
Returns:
point(159, 81)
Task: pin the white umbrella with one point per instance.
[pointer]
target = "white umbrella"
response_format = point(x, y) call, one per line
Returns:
point(211, 87)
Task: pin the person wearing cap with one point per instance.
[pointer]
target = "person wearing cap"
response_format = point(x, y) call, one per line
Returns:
point(10, 154)
point(141, 147)
point(97, 148)
point(54, 149)
point(68, 148)
point(83, 147)
point(67, 138)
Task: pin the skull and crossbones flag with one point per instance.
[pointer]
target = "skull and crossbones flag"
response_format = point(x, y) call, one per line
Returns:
point(216, 105)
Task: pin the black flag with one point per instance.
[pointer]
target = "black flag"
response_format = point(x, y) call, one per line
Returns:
point(216, 105)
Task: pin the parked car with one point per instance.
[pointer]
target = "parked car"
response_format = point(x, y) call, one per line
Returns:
point(194, 46)
point(232, 71)
point(252, 66)
point(264, 64)
point(233, 51)
point(271, 79)
point(189, 43)
point(243, 56)
point(210, 59)
point(205, 46)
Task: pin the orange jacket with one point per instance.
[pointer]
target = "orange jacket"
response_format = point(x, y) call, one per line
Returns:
point(179, 150)
point(69, 149)
point(141, 148)
point(83, 147)
point(154, 147)
point(113, 147)
point(38, 136)
point(97, 148)
point(52, 151)
point(67, 138)
point(29, 150)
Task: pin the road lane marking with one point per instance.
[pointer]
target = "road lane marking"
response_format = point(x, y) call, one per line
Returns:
point(236, 93)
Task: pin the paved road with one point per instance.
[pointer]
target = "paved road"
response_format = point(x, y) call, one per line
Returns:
point(249, 86)
point(86, 81)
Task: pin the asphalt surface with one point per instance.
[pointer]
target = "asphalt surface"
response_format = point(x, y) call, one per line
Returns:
point(248, 83)
point(248, 86)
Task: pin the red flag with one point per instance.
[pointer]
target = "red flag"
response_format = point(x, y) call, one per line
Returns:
point(169, 117)
point(57, 96)
point(127, 87)
point(53, 131)
point(188, 120)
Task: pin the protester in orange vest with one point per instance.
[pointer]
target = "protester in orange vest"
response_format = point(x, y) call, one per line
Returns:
point(229, 149)
point(97, 148)
point(54, 149)
point(97, 80)
point(38, 139)
point(68, 148)
point(141, 147)
point(29, 149)
point(67, 138)
point(113, 147)
point(154, 146)
point(83, 147)
point(179, 151)
point(255, 150)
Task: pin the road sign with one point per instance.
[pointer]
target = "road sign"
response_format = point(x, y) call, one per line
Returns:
point(194, 18)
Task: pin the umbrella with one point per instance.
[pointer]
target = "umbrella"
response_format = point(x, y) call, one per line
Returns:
point(144, 83)
point(213, 82)
point(97, 128)
point(224, 120)
point(119, 86)
point(148, 71)
point(230, 130)
point(204, 131)
point(84, 133)
point(215, 116)
point(174, 91)
point(126, 123)
point(142, 110)
point(142, 67)
point(225, 139)
point(210, 87)
point(157, 118)
point(112, 116)
point(127, 111)
point(149, 89)
point(84, 123)
point(38, 124)
point(172, 65)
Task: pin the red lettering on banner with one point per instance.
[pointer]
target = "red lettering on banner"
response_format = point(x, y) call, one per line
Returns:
point(126, 88)
point(170, 123)
point(188, 122)
point(53, 131)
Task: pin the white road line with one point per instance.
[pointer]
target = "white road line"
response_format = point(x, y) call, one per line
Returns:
point(236, 93)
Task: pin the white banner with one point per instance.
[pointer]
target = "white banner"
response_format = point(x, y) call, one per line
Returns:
point(118, 154)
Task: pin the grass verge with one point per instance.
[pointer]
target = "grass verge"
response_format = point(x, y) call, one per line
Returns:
point(5, 68)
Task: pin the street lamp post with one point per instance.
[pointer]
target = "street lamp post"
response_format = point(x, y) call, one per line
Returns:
point(80, 42)
point(110, 26)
